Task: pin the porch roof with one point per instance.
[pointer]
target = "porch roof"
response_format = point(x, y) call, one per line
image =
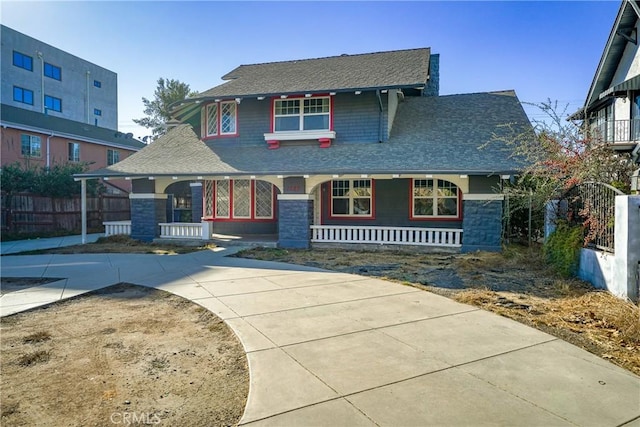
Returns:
point(444, 134)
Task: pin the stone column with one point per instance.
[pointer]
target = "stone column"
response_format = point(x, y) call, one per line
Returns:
point(196, 201)
point(295, 216)
point(147, 211)
point(482, 225)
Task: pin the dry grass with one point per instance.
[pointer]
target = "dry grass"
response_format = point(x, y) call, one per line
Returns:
point(37, 337)
point(30, 359)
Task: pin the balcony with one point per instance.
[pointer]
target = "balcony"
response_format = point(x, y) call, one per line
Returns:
point(621, 134)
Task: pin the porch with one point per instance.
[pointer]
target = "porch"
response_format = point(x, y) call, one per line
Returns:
point(621, 134)
point(448, 238)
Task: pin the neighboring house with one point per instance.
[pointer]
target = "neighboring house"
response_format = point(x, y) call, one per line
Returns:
point(345, 149)
point(58, 108)
point(612, 107)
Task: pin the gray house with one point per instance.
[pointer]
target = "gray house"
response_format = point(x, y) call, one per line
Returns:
point(351, 149)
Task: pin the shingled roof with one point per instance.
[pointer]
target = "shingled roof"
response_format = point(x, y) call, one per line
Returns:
point(34, 121)
point(392, 69)
point(430, 135)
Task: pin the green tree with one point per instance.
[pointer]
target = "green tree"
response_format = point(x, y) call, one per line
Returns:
point(157, 110)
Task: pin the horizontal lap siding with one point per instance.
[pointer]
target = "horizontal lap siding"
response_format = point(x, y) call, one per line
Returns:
point(391, 207)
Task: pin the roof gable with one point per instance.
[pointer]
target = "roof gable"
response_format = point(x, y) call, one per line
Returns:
point(399, 68)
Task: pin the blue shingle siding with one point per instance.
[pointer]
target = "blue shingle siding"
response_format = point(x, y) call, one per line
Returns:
point(295, 219)
point(482, 223)
point(484, 184)
point(196, 203)
point(392, 207)
point(146, 214)
point(433, 84)
point(245, 227)
point(357, 118)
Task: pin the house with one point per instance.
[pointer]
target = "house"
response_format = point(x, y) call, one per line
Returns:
point(612, 106)
point(351, 149)
point(58, 108)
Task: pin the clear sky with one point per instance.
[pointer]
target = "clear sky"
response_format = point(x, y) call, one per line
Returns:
point(543, 50)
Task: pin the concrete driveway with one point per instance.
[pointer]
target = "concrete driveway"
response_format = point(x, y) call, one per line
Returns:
point(334, 349)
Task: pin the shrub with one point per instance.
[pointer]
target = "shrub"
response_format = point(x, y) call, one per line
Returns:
point(562, 249)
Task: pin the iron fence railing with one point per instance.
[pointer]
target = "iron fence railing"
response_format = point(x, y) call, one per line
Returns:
point(619, 131)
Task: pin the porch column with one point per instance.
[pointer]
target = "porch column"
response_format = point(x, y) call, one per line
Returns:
point(83, 208)
point(196, 201)
point(148, 209)
point(294, 220)
point(482, 222)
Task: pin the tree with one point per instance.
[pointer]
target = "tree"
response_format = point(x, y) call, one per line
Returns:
point(167, 92)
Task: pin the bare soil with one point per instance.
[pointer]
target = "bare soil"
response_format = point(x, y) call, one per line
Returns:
point(125, 355)
point(515, 284)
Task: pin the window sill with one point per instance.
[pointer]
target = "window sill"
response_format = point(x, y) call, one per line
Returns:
point(300, 135)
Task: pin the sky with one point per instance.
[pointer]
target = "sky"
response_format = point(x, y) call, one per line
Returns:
point(544, 50)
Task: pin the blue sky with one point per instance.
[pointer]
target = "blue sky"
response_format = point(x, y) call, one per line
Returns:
point(543, 50)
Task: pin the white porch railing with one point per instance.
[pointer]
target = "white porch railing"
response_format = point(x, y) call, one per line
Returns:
point(112, 228)
point(386, 235)
point(181, 230)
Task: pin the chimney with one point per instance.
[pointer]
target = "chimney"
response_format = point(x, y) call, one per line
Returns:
point(433, 84)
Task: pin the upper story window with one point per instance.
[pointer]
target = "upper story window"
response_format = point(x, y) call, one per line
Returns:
point(434, 198)
point(113, 157)
point(97, 83)
point(30, 145)
point(221, 119)
point(74, 151)
point(302, 114)
point(351, 197)
point(52, 71)
point(23, 95)
point(52, 103)
point(97, 112)
point(23, 61)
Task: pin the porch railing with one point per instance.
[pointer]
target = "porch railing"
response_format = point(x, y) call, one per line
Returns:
point(181, 230)
point(386, 235)
point(619, 131)
point(112, 228)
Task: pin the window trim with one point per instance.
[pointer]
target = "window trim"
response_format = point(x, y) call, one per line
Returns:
point(414, 217)
point(301, 115)
point(117, 154)
point(31, 137)
point(52, 67)
point(205, 120)
point(69, 157)
point(231, 217)
point(22, 56)
point(53, 99)
point(23, 91)
point(350, 216)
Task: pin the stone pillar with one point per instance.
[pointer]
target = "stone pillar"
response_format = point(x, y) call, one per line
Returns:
point(627, 247)
point(482, 225)
point(196, 201)
point(147, 211)
point(295, 216)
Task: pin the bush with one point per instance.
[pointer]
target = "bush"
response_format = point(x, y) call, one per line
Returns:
point(562, 249)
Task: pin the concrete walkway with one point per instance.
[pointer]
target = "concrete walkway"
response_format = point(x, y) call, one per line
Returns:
point(16, 246)
point(335, 349)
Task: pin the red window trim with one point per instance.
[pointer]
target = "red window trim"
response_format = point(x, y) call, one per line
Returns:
point(251, 218)
point(272, 124)
point(435, 217)
point(328, 199)
point(205, 118)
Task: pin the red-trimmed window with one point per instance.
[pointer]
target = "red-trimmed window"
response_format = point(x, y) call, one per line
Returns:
point(238, 199)
point(220, 119)
point(299, 114)
point(352, 198)
point(434, 198)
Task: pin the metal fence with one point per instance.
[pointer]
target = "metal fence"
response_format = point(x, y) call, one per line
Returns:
point(592, 205)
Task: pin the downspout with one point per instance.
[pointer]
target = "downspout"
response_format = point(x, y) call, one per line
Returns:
point(379, 116)
point(41, 79)
point(88, 115)
point(49, 150)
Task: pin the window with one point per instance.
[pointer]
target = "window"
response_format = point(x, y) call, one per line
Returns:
point(52, 103)
point(221, 119)
point(23, 95)
point(239, 199)
point(113, 157)
point(52, 71)
point(351, 197)
point(30, 145)
point(97, 83)
point(23, 61)
point(302, 114)
point(97, 112)
point(434, 198)
point(74, 151)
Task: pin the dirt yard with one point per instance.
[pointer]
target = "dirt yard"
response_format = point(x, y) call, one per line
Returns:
point(151, 358)
point(515, 284)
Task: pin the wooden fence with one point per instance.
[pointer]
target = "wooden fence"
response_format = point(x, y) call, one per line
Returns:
point(26, 213)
